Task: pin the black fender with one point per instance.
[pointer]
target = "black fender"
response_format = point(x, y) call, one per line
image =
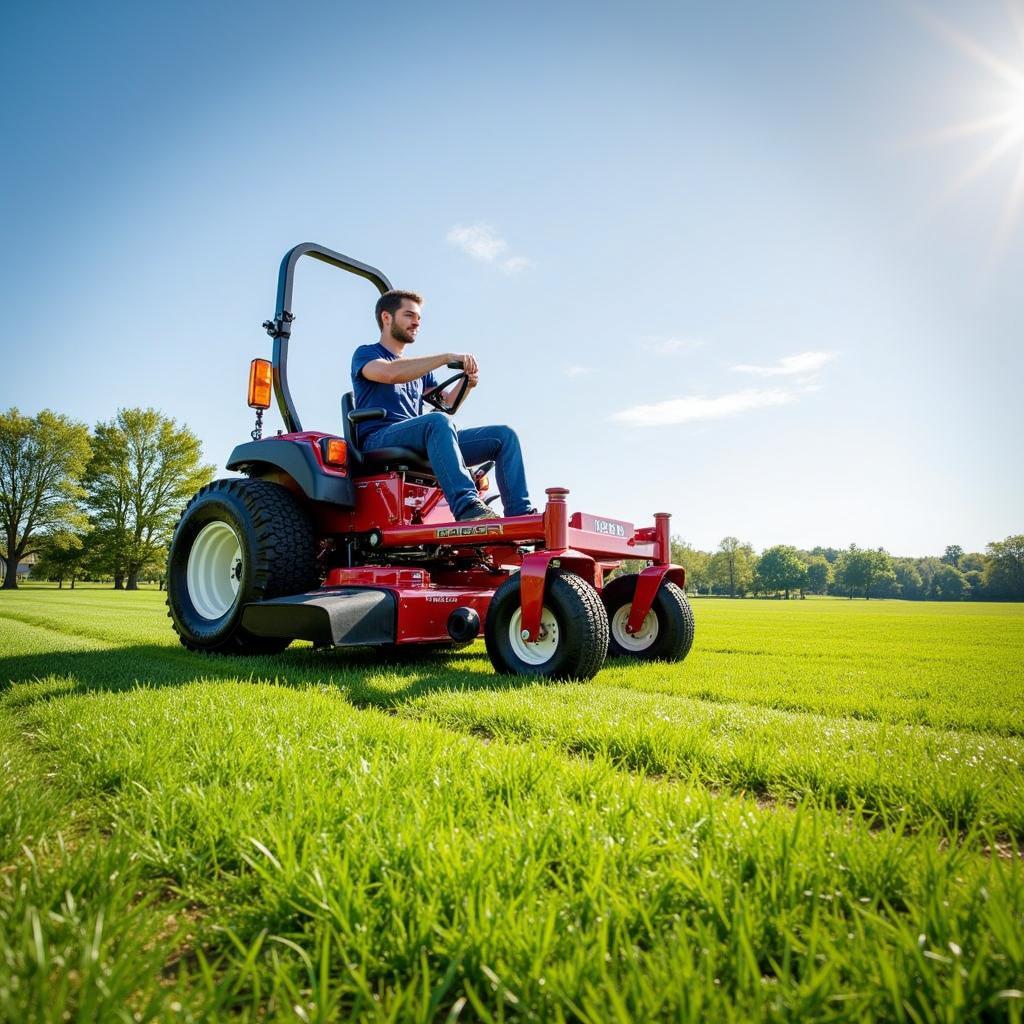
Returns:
point(296, 458)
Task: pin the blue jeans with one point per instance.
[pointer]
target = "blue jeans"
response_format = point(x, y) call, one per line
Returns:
point(450, 451)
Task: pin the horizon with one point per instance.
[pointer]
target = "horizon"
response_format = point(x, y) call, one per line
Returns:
point(756, 268)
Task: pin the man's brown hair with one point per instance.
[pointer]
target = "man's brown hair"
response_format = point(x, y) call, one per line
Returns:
point(391, 302)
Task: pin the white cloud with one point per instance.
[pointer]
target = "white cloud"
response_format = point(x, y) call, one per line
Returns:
point(578, 371)
point(698, 407)
point(805, 362)
point(515, 263)
point(483, 243)
point(478, 241)
point(665, 346)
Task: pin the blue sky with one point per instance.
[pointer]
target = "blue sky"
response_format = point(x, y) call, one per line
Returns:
point(733, 261)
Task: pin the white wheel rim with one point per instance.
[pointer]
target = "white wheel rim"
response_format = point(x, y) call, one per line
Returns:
point(543, 650)
point(643, 638)
point(214, 568)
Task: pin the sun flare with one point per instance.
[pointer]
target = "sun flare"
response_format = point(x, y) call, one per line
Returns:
point(1001, 126)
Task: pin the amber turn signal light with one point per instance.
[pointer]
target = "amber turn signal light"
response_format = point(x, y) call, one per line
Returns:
point(260, 378)
point(335, 451)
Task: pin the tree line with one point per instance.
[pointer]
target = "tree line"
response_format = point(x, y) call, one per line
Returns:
point(97, 504)
point(735, 570)
point(102, 504)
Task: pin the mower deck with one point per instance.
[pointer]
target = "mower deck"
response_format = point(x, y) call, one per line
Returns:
point(376, 605)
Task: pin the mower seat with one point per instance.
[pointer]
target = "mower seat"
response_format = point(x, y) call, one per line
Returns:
point(380, 459)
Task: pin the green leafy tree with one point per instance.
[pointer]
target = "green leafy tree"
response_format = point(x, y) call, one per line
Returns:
point(885, 584)
point(694, 562)
point(109, 486)
point(1004, 568)
point(851, 570)
point(698, 576)
point(42, 459)
point(908, 579)
point(952, 555)
point(732, 566)
point(780, 568)
point(972, 561)
point(976, 581)
point(60, 557)
point(859, 569)
point(949, 584)
point(928, 567)
point(107, 554)
point(883, 576)
point(819, 574)
point(829, 554)
point(144, 467)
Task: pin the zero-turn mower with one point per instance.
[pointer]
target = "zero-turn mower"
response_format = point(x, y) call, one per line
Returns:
point(323, 542)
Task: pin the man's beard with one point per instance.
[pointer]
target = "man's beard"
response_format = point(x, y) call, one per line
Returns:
point(401, 334)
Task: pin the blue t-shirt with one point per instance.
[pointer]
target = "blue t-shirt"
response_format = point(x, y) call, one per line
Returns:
point(399, 401)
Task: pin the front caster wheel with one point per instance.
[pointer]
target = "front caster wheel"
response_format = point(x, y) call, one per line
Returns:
point(666, 633)
point(573, 639)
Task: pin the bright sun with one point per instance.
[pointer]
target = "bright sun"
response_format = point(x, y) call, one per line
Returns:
point(1002, 126)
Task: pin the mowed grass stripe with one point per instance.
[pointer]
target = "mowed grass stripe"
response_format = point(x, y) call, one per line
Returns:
point(19, 637)
point(910, 773)
point(958, 666)
point(389, 869)
point(951, 666)
point(138, 622)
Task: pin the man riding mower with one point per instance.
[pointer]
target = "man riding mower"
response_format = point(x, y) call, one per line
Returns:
point(344, 542)
point(384, 377)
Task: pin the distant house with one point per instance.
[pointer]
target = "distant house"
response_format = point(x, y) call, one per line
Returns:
point(24, 567)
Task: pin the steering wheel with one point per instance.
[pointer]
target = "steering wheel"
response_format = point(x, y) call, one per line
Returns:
point(436, 397)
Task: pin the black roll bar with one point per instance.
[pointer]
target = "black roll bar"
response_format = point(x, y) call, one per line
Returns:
point(280, 328)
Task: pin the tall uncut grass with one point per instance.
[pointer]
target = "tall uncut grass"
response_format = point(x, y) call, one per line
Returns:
point(817, 816)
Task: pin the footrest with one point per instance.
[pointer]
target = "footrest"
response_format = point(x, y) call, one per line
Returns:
point(338, 617)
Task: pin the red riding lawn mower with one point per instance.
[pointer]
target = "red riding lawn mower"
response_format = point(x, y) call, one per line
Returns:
point(320, 541)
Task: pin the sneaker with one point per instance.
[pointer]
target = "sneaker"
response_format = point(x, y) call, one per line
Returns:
point(478, 510)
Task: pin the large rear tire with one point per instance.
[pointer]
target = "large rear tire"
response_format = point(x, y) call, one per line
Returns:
point(237, 541)
point(573, 642)
point(666, 633)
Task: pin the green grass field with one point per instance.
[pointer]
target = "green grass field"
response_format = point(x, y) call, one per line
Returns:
point(818, 816)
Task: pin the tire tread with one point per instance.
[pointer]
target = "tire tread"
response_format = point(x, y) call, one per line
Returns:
point(283, 562)
point(674, 613)
point(586, 632)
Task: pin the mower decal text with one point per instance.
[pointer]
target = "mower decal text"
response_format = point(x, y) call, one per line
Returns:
point(611, 529)
point(468, 531)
